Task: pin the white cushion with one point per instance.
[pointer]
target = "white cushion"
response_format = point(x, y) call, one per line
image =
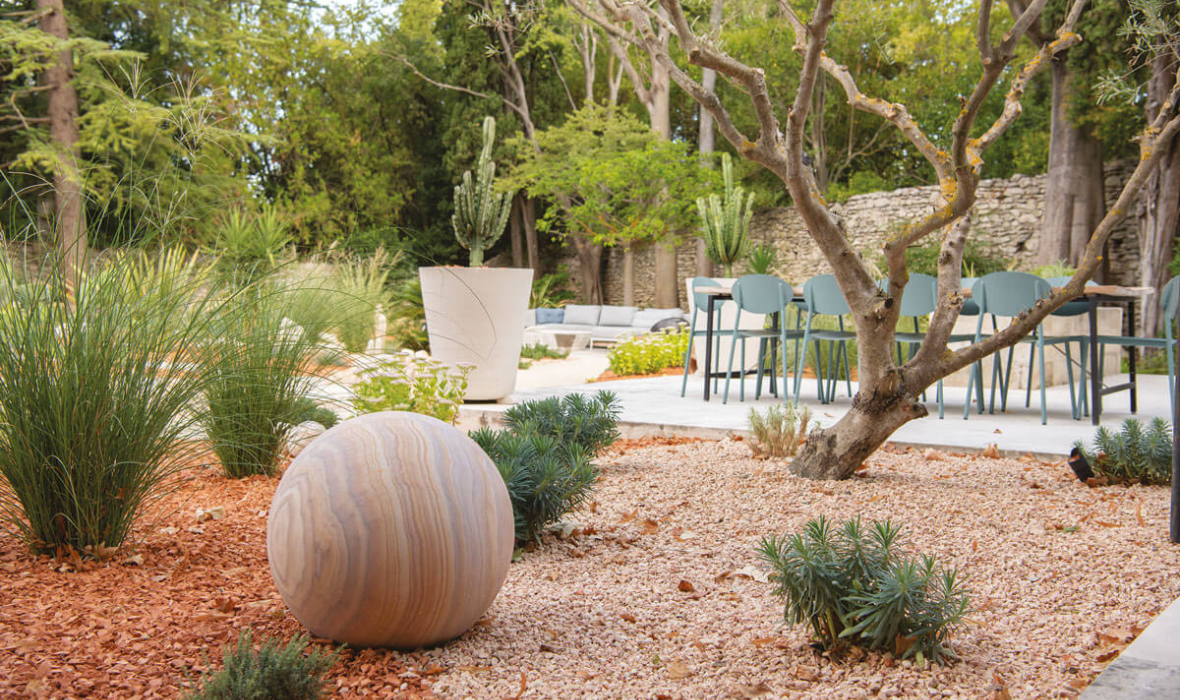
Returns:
point(530, 318)
point(649, 317)
point(578, 315)
point(617, 315)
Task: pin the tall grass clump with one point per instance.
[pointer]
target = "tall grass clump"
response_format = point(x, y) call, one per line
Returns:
point(262, 369)
point(96, 384)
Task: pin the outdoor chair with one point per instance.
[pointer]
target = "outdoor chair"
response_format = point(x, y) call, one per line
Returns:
point(919, 300)
point(700, 304)
point(1168, 300)
point(766, 295)
point(823, 297)
point(1009, 294)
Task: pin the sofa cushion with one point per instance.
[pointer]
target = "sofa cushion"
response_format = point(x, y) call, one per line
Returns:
point(617, 315)
point(649, 317)
point(579, 315)
point(550, 316)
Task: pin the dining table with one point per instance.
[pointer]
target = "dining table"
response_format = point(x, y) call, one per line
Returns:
point(1097, 295)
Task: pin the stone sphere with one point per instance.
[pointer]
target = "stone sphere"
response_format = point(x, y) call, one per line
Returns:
point(390, 530)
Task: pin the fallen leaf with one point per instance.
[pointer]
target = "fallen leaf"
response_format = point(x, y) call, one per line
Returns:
point(1103, 658)
point(1139, 514)
point(628, 617)
point(685, 586)
point(523, 686)
point(214, 513)
point(754, 691)
point(805, 673)
point(678, 671)
point(629, 516)
point(932, 455)
point(992, 451)
point(650, 526)
point(763, 641)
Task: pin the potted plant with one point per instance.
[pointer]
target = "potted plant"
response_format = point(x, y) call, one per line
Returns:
point(475, 315)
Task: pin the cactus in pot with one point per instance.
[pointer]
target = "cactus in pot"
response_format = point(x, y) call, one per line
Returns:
point(480, 212)
point(725, 224)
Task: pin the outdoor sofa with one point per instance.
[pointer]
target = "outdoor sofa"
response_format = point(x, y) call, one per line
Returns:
point(578, 325)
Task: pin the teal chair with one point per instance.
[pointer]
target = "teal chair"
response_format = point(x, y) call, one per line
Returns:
point(1169, 297)
point(766, 295)
point(1009, 294)
point(822, 296)
point(700, 304)
point(919, 300)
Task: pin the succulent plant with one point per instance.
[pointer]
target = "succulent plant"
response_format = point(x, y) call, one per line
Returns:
point(480, 212)
point(725, 223)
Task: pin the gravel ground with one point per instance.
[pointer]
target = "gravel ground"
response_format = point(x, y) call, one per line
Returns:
point(656, 594)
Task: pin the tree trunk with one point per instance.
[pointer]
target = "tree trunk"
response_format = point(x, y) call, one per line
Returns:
point(62, 104)
point(667, 291)
point(707, 136)
point(837, 452)
point(514, 232)
point(629, 275)
point(589, 269)
point(529, 218)
point(1159, 205)
point(819, 138)
point(1074, 194)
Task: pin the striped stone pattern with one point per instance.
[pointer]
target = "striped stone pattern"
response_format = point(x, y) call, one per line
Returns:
point(390, 530)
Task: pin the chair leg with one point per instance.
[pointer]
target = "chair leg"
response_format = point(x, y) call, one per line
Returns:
point(938, 393)
point(729, 372)
point(688, 361)
point(1075, 409)
point(1028, 388)
point(970, 386)
point(1171, 353)
point(800, 361)
point(1041, 366)
point(742, 374)
point(847, 370)
point(758, 375)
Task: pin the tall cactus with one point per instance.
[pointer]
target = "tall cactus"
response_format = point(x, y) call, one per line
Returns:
point(480, 213)
point(725, 225)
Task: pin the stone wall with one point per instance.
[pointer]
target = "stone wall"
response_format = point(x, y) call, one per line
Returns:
point(1006, 222)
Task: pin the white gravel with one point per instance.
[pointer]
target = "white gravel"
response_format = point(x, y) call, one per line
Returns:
point(606, 615)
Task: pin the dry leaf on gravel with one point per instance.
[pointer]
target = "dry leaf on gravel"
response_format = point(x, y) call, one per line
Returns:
point(678, 670)
point(685, 586)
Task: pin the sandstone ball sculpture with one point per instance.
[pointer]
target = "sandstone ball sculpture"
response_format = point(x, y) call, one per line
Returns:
point(390, 530)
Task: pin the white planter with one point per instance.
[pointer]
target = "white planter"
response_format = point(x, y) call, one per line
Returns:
point(473, 315)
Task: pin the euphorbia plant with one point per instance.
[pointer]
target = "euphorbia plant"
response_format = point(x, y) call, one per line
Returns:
point(480, 212)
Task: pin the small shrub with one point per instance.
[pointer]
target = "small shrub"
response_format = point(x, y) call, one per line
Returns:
point(546, 478)
point(552, 291)
point(589, 422)
point(850, 586)
point(780, 432)
point(308, 410)
point(762, 259)
point(272, 672)
point(251, 245)
point(1133, 454)
point(411, 383)
point(649, 353)
point(1058, 268)
point(540, 351)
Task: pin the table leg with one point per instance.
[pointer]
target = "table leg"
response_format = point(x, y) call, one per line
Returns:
point(1131, 363)
point(709, 345)
point(1095, 363)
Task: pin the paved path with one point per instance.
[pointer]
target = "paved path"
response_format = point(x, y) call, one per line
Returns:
point(1149, 669)
point(656, 403)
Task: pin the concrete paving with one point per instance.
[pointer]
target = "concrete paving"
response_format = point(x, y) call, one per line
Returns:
point(1149, 669)
point(656, 403)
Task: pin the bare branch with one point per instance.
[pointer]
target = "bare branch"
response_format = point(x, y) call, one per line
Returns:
point(983, 30)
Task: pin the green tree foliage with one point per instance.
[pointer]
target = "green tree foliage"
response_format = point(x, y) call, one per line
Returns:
point(616, 182)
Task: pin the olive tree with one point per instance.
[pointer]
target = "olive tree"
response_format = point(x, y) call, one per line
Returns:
point(889, 393)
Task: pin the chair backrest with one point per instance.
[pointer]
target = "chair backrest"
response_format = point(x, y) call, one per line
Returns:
point(699, 299)
point(969, 308)
point(1064, 280)
point(823, 296)
point(1009, 293)
point(1169, 297)
point(761, 294)
point(920, 295)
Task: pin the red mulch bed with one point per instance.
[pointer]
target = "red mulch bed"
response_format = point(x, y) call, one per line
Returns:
point(609, 376)
point(145, 622)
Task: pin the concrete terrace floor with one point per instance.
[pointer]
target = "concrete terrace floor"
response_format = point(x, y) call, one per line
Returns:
point(654, 406)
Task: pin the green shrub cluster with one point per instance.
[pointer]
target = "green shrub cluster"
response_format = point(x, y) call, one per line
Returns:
point(649, 353)
point(272, 672)
point(544, 455)
point(1133, 454)
point(780, 431)
point(852, 586)
point(412, 383)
